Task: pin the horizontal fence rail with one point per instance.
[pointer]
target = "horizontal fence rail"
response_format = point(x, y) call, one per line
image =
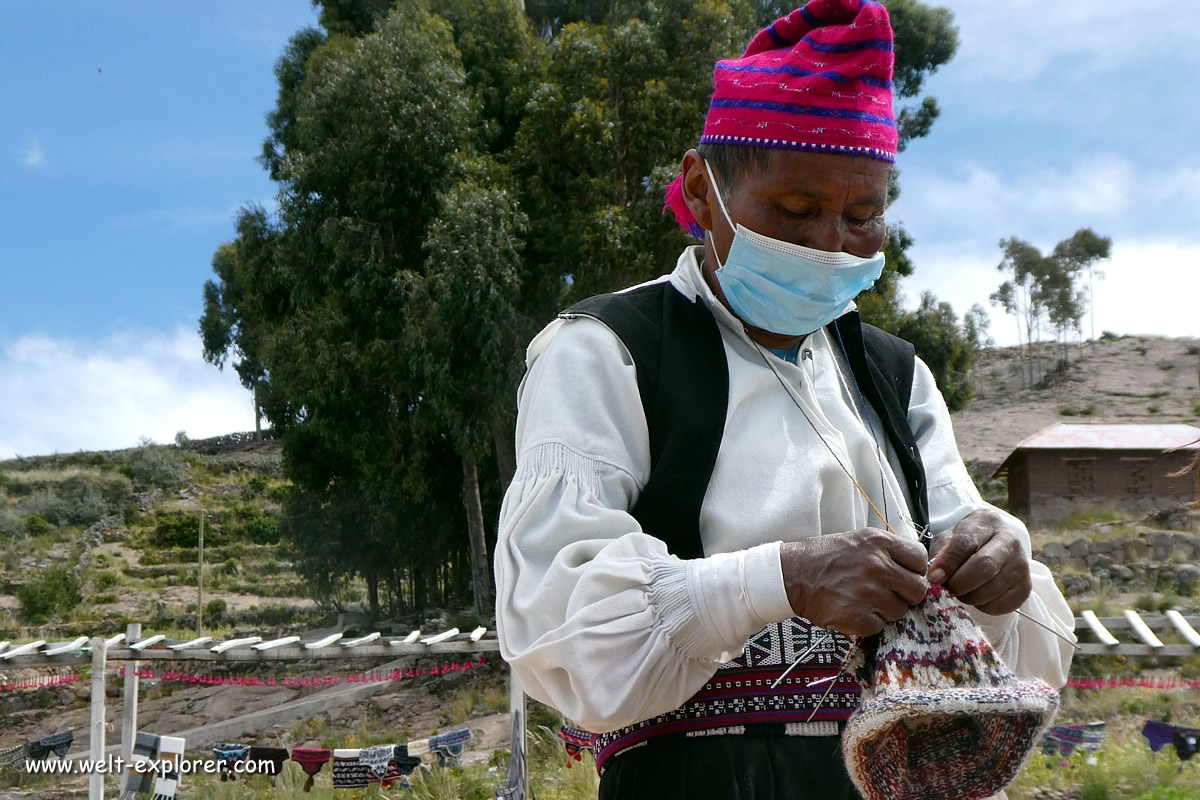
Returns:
point(1132, 634)
point(1142, 632)
point(249, 649)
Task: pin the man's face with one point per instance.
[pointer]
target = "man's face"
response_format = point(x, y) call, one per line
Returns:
point(828, 202)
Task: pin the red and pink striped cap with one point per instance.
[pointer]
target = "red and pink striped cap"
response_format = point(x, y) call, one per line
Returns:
point(818, 79)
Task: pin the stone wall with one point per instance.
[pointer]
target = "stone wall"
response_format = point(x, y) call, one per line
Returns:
point(1159, 560)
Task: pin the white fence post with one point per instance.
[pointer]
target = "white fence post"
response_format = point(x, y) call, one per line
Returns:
point(96, 779)
point(516, 705)
point(129, 704)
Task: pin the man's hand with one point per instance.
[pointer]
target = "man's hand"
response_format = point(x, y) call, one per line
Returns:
point(982, 563)
point(855, 582)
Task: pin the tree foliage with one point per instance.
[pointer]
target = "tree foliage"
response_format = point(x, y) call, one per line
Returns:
point(1046, 290)
point(450, 175)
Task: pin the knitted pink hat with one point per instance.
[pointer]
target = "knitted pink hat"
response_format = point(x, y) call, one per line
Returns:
point(941, 716)
point(819, 79)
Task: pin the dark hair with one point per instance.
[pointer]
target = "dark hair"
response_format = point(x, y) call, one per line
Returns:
point(733, 161)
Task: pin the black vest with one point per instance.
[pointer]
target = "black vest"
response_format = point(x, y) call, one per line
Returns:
point(683, 380)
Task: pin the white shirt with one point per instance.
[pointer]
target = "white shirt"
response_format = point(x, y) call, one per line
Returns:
point(600, 621)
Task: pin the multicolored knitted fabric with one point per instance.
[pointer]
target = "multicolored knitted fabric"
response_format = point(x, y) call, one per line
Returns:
point(1062, 739)
point(348, 771)
point(310, 760)
point(941, 715)
point(226, 755)
point(58, 743)
point(14, 756)
point(269, 759)
point(449, 746)
point(1187, 742)
point(1158, 734)
point(575, 741)
point(818, 79)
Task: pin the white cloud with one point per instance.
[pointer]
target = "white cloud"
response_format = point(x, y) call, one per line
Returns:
point(1151, 286)
point(34, 155)
point(1104, 191)
point(62, 395)
point(1018, 40)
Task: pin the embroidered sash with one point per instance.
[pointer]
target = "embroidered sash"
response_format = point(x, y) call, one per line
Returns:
point(739, 699)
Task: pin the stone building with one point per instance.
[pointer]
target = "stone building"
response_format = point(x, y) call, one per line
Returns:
point(1078, 466)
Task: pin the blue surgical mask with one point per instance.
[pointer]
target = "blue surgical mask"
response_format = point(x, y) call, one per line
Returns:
point(787, 288)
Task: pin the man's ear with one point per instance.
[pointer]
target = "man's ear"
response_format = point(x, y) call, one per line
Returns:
point(696, 188)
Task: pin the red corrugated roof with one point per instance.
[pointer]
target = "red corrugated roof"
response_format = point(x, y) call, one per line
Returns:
point(1112, 436)
point(1107, 436)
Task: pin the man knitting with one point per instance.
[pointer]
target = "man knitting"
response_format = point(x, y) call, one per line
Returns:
point(723, 474)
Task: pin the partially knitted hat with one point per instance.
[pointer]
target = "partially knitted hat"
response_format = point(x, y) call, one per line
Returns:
point(818, 79)
point(942, 718)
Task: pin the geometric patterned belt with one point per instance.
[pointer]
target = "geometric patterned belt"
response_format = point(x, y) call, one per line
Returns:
point(739, 699)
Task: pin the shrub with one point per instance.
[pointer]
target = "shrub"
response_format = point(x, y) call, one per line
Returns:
point(1192, 350)
point(178, 530)
point(12, 524)
point(105, 580)
point(36, 525)
point(249, 524)
point(231, 566)
point(112, 488)
point(1084, 411)
point(1165, 365)
point(152, 465)
point(104, 599)
point(54, 591)
point(254, 487)
point(47, 505)
point(214, 609)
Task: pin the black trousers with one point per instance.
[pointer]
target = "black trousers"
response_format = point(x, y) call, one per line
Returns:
point(747, 767)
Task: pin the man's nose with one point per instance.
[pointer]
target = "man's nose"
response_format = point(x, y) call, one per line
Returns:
point(829, 234)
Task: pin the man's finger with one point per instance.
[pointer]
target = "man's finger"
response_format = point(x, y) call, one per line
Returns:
point(908, 554)
point(909, 587)
point(982, 567)
point(1008, 602)
point(989, 592)
point(958, 549)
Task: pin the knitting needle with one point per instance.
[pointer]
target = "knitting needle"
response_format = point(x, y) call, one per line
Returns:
point(1039, 623)
point(799, 658)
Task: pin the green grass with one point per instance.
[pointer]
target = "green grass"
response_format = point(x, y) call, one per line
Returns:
point(1086, 410)
point(1125, 768)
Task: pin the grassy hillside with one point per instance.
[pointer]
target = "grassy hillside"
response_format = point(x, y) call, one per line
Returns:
point(90, 541)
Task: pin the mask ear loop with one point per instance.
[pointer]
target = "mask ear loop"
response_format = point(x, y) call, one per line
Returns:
point(712, 178)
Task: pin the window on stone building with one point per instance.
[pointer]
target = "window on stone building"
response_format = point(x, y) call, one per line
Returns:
point(1137, 475)
point(1081, 477)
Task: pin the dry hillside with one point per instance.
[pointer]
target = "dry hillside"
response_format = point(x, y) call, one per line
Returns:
point(1126, 379)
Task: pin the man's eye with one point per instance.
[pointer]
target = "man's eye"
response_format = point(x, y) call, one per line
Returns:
point(860, 221)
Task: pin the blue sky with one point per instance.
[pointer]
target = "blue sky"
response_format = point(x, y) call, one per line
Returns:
point(130, 131)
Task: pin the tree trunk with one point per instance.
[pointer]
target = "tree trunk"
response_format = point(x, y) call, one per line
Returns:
point(420, 589)
point(481, 579)
point(257, 415)
point(373, 592)
point(506, 452)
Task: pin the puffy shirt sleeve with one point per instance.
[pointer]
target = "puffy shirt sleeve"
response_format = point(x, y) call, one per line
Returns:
point(1028, 648)
point(596, 617)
